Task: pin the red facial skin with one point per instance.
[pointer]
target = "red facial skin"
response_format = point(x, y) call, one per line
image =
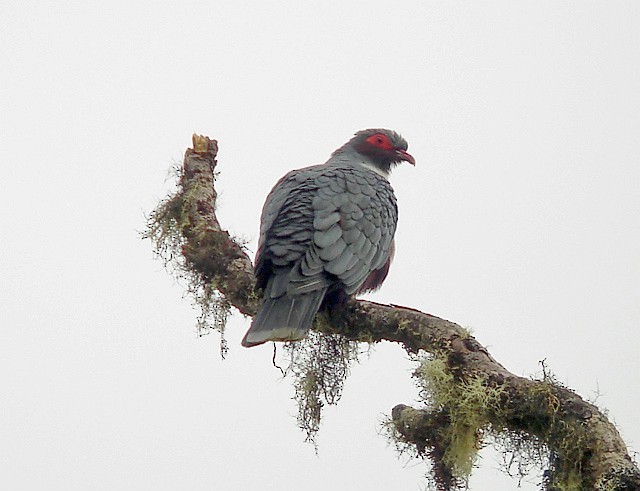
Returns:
point(380, 143)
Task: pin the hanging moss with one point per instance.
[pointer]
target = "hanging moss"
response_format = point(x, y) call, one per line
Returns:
point(320, 365)
point(165, 228)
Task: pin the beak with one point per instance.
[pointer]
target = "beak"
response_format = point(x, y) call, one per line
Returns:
point(403, 155)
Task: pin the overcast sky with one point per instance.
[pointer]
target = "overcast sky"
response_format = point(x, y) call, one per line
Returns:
point(519, 221)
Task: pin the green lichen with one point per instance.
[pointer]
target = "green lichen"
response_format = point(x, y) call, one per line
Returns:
point(469, 405)
point(464, 413)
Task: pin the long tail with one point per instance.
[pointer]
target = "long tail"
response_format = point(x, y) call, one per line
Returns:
point(284, 318)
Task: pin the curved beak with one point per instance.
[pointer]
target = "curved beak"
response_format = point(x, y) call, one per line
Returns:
point(404, 156)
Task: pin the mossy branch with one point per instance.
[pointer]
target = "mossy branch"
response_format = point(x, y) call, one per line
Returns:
point(468, 395)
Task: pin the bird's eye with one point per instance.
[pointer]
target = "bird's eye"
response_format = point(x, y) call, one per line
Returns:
point(379, 140)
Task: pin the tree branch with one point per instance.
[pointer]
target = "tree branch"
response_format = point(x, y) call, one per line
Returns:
point(468, 393)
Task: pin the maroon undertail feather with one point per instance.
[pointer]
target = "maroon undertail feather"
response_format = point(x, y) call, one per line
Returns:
point(376, 277)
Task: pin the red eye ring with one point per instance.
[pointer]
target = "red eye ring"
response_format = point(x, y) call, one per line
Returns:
point(380, 141)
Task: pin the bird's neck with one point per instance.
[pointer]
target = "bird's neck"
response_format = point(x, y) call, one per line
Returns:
point(350, 156)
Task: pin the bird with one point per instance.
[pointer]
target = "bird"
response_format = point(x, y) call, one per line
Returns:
point(326, 233)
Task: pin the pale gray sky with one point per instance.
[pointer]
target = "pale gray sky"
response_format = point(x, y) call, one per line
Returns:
point(519, 221)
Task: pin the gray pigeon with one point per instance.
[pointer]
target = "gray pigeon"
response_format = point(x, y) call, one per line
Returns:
point(326, 233)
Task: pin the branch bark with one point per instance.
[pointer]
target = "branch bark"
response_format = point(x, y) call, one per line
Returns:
point(585, 447)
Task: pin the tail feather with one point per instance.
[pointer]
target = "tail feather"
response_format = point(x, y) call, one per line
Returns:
point(284, 318)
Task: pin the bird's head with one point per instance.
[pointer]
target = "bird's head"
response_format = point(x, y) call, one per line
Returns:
point(383, 148)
